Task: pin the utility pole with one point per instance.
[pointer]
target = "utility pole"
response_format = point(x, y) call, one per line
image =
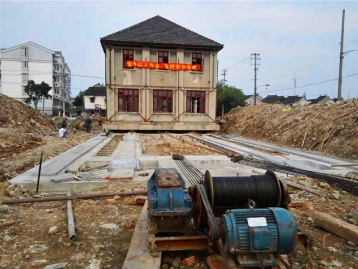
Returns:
point(222, 108)
point(294, 84)
point(341, 60)
point(256, 64)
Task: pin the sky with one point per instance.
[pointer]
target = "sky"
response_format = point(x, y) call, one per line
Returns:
point(292, 37)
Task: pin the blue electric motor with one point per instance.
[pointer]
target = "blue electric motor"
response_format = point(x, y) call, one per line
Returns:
point(258, 234)
point(169, 204)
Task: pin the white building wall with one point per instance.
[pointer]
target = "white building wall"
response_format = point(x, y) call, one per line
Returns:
point(40, 68)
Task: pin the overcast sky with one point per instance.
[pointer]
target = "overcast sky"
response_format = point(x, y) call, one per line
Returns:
point(291, 37)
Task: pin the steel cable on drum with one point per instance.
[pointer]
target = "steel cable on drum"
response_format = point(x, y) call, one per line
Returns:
point(236, 191)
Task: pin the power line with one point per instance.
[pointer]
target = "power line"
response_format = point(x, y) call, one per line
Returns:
point(243, 61)
point(311, 84)
point(309, 64)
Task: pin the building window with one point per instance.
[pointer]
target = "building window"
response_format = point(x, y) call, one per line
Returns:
point(163, 57)
point(197, 58)
point(163, 101)
point(24, 77)
point(25, 52)
point(195, 101)
point(23, 89)
point(24, 64)
point(92, 99)
point(128, 100)
point(56, 67)
point(127, 56)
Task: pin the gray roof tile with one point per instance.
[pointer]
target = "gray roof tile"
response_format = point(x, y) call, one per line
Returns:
point(159, 30)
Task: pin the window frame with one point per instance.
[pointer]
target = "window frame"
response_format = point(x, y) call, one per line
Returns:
point(158, 96)
point(201, 95)
point(167, 57)
point(26, 75)
point(25, 51)
point(130, 100)
point(196, 58)
point(92, 99)
point(24, 64)
point(124, 58)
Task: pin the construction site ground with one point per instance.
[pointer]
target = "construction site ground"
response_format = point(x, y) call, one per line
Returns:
point(105, 226)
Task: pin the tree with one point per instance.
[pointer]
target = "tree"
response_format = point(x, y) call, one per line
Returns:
point(36, 92)
point(78, 102)
point(231, 97)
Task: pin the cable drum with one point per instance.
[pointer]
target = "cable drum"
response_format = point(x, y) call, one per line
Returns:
point(234, 192)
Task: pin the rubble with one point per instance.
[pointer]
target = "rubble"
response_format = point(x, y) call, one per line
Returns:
point(25, 133)
point(306, 124)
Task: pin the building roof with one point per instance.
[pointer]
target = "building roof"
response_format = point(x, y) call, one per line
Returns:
point(248, 96)
point(26, 44)
point(336, 99)
point(96, 90)
point(318, 99)
point(292, 99)
point(158, 30)
point(273, 99)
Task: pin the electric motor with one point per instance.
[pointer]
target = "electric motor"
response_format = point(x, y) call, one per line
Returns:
point(259, 230)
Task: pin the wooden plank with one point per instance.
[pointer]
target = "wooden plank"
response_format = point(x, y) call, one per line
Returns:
point(302, 187)
point(336, 226)
point(344, 164)
point(138, 256)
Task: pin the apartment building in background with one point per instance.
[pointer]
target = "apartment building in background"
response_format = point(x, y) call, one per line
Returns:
point(160, 76)
point(30, 61)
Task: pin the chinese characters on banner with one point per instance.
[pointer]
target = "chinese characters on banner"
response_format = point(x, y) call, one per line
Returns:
point(168, 66)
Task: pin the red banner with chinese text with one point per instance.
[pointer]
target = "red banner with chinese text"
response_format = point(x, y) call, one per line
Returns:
point(167, 66)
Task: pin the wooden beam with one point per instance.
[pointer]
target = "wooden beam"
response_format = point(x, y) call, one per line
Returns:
point(302, 187)
point(336, 226)
point(344, 164)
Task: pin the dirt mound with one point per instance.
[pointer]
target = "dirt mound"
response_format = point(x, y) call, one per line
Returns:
point(22, 117)
point(331, 129)
point(24, 133)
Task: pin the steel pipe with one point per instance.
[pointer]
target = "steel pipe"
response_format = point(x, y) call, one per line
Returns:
point(70, 219)
point(73, 197)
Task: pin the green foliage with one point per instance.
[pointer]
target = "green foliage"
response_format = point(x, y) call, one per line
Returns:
point(36, 92)
point(78, 102)
point(230, 96)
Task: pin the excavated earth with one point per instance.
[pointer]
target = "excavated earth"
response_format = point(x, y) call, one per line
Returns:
point(105, 227)
point(330, 129)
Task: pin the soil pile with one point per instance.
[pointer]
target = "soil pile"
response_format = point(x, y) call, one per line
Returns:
point(331, 129)
point(24, 133)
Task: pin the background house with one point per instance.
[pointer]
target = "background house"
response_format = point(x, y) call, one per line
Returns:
point(249, 100)
point(273, 99)
point(295, 100)
point(30, 61)
point(94, 101)
point(321, 100)
point(160, 76)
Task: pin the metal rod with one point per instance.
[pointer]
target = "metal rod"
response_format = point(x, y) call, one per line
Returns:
point(38, 178)
point(70, 219)
point(65, 198)
point(284, 262)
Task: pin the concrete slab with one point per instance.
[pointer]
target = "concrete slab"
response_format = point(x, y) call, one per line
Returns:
point(302, 163)
point(121, 174)
point(138, 256)
point(119, 164)
point(74, 186)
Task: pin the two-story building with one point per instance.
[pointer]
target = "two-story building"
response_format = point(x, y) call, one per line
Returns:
point(160, 76)
point(94, 101)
